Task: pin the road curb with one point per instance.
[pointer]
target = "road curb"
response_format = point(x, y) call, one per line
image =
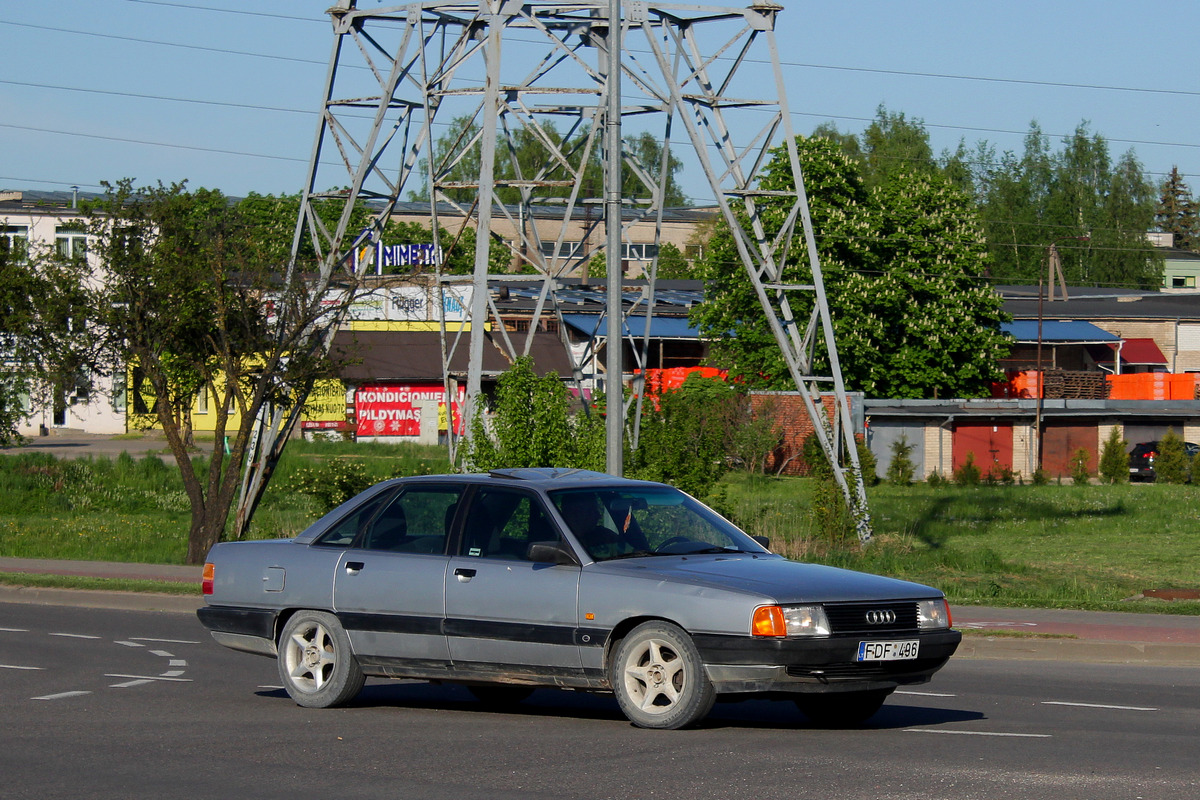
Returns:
point(100, 598)
point(1079, 650)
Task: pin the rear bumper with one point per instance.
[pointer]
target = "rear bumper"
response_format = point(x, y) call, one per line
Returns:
point(250, 630)
point(742, 664)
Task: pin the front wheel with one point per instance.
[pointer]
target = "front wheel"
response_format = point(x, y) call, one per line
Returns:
point(659, 679)
point(315, 663)
point(841, 709)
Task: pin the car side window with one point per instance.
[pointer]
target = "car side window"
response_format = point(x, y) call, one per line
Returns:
point(416, 521)
point(346, 530)
point(502, 524)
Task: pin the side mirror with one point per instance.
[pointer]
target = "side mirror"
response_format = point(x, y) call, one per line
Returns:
point(549, 553)
point(763, 540)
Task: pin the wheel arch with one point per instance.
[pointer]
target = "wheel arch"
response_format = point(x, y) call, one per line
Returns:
point(622, 629)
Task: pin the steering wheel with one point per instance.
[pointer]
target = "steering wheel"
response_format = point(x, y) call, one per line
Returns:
point(671, 541)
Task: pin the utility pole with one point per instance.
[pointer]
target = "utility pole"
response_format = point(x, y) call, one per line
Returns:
point(614, 385)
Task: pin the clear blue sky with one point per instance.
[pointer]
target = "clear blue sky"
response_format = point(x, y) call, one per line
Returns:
point(225, 93)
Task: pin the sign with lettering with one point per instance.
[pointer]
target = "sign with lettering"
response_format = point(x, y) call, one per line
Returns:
point(395, 409)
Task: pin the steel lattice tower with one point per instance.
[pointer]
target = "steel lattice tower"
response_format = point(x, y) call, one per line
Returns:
point(402, 80)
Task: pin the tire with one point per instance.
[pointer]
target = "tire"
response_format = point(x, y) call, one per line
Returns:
point(316, 664)
point(841, 709)
point(659, 679)
point(500, 695)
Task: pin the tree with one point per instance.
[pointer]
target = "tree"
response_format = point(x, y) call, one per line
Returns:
point(903, 268)
point(1041, 197)
point(892, 145)
point(1114, 459)
point(1177, 212)
point(1172, 464)
point(532, 426)
point(672, 265)
point(190, 301)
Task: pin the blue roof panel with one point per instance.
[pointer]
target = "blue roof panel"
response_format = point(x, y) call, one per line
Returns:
point(1060, 331)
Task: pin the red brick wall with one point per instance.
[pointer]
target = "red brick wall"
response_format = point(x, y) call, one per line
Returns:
point(794, 425)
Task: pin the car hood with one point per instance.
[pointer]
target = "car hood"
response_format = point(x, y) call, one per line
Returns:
point(778, 578)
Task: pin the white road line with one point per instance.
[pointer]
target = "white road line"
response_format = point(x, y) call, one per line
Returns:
point(981, 733)
point(1097, 705)
point(162, 653)
point(177, 662)
point(926, 694)
point(171, 673)
point(59, 696)
point(270, 687)
point(14, 630)
point(129, 644)
point(14, 666)
point(148, 677)
point(163, 641)
point(75, 635)
point(127, 684)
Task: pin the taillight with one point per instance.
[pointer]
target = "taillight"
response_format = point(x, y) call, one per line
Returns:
point(206, 583)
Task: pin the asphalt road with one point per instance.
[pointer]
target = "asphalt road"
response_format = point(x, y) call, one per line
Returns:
point(128, 704)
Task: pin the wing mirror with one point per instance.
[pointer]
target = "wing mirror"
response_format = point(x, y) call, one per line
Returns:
point(550, 553)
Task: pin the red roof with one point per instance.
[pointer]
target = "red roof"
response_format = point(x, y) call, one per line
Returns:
point(1142, 351)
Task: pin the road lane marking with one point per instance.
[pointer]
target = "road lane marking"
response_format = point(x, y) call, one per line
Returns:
point(60, 695)
point(129, 644)
point(75, 635)
point(162, 653)
point(14, 630)
point(15, 666)
point(981, 733)
point(127, 684)
point(148, 677)
point(927, 694)
point(162, 641)
point(270, 687)
point(171, 673)
point(1096, 705)
point(177, 662)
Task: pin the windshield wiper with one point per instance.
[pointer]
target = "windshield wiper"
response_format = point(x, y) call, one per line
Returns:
point(637, 554)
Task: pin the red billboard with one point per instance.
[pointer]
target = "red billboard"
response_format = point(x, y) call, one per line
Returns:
point(395, 409)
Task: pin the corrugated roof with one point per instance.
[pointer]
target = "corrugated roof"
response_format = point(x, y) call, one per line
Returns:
point(594, 325)
point(1058, 332)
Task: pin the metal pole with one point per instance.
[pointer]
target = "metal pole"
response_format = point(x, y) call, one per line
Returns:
point(613, 383)
point(1041, 386)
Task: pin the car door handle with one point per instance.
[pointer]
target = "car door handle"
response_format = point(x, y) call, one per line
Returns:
point(464, 574)
point(354, 567)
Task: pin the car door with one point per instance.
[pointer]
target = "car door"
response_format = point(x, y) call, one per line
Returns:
point(506, 615)
point(388, 591)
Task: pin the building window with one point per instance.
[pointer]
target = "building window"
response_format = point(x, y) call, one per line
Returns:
point(71, 242)
point(638, 252)
point(15, 239)
point(566, 250)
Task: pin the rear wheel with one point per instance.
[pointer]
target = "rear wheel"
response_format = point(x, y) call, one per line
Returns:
point(315, 663)
point(841, 709)
point(658, 678)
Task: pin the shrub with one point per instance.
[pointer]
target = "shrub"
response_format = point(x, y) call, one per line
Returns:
point(828, 514)
point(1079, 467)
point(901, 470)
point(1040, 477)
point(967, 473)
point(1172, 464)
point(1114, 458)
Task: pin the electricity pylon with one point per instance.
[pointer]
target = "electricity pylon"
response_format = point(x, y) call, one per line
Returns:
point(434, 98)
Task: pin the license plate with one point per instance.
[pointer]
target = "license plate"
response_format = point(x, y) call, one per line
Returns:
point(1133, 469)
point(887, 651)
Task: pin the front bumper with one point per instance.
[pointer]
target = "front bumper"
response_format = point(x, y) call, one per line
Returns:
point(743, 664)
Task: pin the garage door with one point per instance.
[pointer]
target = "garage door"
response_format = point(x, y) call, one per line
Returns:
point(1061, 443)
point(882, 436)
point(990, 444)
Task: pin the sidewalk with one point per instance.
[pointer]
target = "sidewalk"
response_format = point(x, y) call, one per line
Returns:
point(1006, 633)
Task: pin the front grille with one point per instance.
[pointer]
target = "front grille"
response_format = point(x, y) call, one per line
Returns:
point(853, 617)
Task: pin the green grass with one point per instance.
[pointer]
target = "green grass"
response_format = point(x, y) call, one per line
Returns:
point(106, 584)
point(1092, 547)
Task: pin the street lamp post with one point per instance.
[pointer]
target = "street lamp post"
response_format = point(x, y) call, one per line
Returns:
point(1053, 265)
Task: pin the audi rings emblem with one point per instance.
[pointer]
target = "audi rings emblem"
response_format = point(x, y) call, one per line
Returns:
point(881, 617)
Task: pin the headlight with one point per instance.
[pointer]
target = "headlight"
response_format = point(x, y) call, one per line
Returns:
point(933, 615)
point(790, 621)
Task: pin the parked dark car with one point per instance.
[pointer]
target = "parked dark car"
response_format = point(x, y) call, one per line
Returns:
point(1141, 458)
point(526, 578)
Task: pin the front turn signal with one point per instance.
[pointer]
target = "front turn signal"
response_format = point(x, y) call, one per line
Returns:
point(768, 621)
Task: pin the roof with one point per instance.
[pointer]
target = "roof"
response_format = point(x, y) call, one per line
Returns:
point(1057, 331)
point(1141, 351)
point(594, 325)
point(378, 356)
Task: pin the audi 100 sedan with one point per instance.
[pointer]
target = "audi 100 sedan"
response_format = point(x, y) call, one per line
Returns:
point(529, 578)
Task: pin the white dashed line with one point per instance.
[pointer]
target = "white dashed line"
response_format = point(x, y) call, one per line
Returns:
point(14, 630)
point(163, 641)
point(1096, 705)
point(926, 694)
point(148, 677)
point(127, 684)
point(981, 733)
point(162, 653)
point(14, 666)
point(177, 662)
point(270, 687)
point(129, 644)
point(75, 635)
point(171, 673)
point(60, 695)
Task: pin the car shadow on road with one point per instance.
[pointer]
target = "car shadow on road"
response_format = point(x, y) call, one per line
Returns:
point(554, 703)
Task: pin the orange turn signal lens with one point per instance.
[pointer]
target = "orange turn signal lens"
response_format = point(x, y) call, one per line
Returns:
point(768, 621)
point(206, 584)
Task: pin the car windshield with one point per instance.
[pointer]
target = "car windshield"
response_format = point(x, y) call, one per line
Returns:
point(650, 521)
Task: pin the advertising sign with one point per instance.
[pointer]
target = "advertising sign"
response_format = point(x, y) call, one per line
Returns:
point(325, 408)
point(395, 409)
